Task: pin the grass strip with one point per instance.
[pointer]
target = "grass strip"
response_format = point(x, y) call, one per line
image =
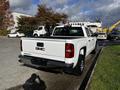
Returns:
point(107, 72)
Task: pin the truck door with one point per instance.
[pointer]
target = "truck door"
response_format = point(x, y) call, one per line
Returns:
point(93, 39)
point(41, 30)
point(89, 42)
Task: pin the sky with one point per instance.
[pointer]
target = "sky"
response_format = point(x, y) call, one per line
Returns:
point(77, 10)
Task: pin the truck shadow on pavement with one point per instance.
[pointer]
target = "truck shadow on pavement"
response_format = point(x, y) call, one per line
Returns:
point(32, 83)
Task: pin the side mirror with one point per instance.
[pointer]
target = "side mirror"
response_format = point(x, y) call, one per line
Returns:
point(94, 35)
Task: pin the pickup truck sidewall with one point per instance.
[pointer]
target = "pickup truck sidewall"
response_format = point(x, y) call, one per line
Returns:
point(95, 48)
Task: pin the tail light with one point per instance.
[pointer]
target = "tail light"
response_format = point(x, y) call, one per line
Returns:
point(69, 50)
point(21, 45)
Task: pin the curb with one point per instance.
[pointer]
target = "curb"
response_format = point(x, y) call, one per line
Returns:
point(88, 83)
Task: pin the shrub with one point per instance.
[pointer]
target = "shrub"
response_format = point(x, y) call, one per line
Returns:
point(4, 32)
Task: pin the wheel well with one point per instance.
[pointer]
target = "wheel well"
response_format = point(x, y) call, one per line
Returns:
point(35, 34)
point(82, 51)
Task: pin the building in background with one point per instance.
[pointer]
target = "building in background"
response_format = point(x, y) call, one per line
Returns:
point(15, 17)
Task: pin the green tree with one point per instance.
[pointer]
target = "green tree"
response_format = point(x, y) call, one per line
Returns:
point(27, 24)
point(5, 15)
point(44, 16)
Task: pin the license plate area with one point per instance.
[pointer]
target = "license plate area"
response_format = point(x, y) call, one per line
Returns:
point(39, 62)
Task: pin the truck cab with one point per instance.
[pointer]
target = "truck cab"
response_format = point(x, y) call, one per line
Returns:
point(39, 32)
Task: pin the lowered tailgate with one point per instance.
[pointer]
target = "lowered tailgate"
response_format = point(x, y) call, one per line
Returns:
point(44, 48)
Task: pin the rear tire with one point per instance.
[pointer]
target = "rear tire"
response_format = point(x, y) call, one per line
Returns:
point(35, 35)
point(78, 70)
point(116, 38)
point(17, 36)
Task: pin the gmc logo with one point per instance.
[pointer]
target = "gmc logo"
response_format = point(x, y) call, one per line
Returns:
point(40, 48)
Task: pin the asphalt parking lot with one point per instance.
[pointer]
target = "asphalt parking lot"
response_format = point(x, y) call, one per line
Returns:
point(12, 73)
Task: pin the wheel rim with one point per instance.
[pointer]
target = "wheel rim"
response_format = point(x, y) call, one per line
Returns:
point(82, 65)
point(116, 38)
point(35, 35)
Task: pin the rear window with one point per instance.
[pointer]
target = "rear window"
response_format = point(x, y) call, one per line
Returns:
point(40, 28)
point(68, 31)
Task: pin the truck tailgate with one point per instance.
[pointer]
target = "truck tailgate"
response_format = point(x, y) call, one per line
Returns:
point(44, 48)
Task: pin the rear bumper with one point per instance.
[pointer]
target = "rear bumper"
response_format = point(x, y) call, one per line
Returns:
point(42, 62)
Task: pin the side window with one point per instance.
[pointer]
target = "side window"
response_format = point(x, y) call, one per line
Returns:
point(76, 31)
point(88, 32)
point(40, 28)
point(58, 31)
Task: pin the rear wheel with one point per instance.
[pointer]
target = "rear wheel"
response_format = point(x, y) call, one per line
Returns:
point(116, 38)
point(35, 35)
point(8, 36)
point(80, 65)
point(17, 36)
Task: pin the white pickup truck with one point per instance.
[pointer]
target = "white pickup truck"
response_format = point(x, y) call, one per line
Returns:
point(66, 48)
